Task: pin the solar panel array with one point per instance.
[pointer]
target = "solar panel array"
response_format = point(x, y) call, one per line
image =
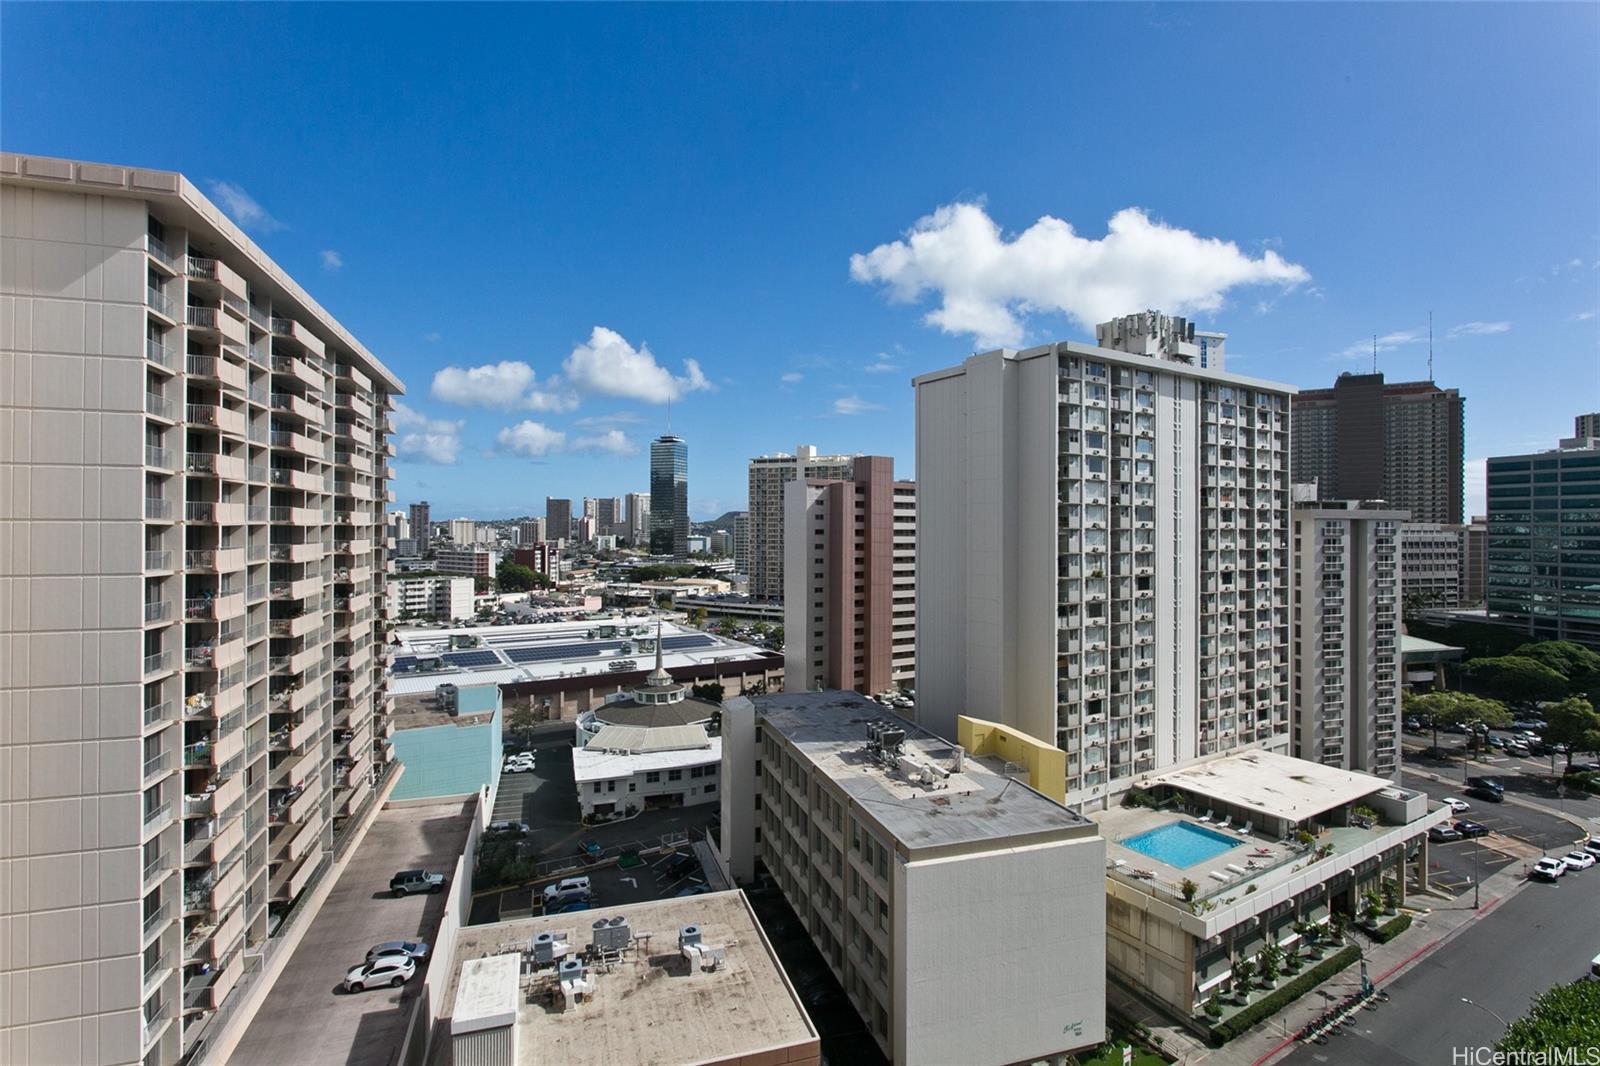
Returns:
point(469, 660)
point(699, 640)
point(560, 651)
point(404, 664)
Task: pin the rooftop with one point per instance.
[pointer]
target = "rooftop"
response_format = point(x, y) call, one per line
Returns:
point(590, 764)
point(507, 655)
point(1275, 785)
point(979, 803)
point(649, 1007)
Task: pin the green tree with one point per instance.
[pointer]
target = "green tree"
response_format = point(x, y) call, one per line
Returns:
point(777, 637)
point(521, 720)
point(697, 616)
point(1456, 708)
point(515, 577)
point(1579, 665)
point(761, 629)
point(1575, 723)
point(710, 690)
point(1271, 961)
point(1566, 1016)
point(1244, 972)
point(1517, 679)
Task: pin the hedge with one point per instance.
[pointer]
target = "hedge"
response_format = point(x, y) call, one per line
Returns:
point(1391, 929)
point(1267, 1006)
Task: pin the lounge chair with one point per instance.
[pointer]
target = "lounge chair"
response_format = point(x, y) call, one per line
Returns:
point(1206, 817)
point(1219, 876)
point(1236, 869)
point(1225, 823)
point(1246, 828)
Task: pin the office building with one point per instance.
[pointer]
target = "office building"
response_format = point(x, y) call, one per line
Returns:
point(768, 476)
point(1103, 550)
point(1430, 565)
point(1586, 427)
point(196, 465)
point(1400, 443)
point(1474, 561)
point(557, 519)
point(463, 531)
point(1543, 549)
point(606, 512)
point(669, 496)
point(850, 601)
point(721, 543)
point(531, 531)
point(1348, 576)
point(637, 527)
point(465, 562)
point(446, 598)
point(421, 525)
point(962, 911)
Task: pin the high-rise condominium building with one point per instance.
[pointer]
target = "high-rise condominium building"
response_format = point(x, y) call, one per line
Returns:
point(768, 476)
point(421, 525)
point(637, 525)
point(1586, 426)
point(193, 502)
point(1400, 443)
point(1474, 561)
point(1103, 549)
point(850, 601)
point(557, 518)
point(669, 496)
point(1347, 575)
point(741, 541)
point(606, 512)
point(463, 531)
point(399, 525)
point(1543, 550)
point(1430, 564)
point(531, 531)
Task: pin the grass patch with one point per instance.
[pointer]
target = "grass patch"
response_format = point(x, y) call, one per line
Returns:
point(1273, 1002)
point(1110, 1054)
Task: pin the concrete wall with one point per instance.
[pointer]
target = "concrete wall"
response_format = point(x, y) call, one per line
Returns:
point(739, 788)
point(447, 760)
point(941, 553)
point(1000, 955)
point(1046, 764)
point(72, 287)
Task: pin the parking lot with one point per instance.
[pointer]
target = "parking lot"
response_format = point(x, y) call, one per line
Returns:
point(546, 801)
point(307, 1018)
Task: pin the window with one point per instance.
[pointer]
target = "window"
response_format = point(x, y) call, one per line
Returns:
point(709, 789)
point(674, 775)
point(651, 777)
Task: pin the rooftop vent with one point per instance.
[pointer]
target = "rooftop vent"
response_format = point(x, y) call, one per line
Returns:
point(611, 934)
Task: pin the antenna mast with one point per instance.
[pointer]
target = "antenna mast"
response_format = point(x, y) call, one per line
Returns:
point(1430, 345)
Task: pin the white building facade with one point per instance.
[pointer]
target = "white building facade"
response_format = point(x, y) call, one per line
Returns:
point(195, 478)
point(1430, 564)
point(768, 476)
point(1103, 550)
point(448, 598)
point(1347, 632)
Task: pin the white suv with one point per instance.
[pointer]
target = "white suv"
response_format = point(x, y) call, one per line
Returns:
point(391, 970)
point(567, 889)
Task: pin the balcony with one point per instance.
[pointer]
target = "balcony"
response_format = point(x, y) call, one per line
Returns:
point(289, 403)
point(157, 611)
point(213, 273)
point(289, 329)
point(160, 303)
point(212, 369)
point(304, 480)
point(157, 663)
point(157, 405)
point(158, 713)
point(211, 320)
point(296, 553)
point(298, 625)
point(219, 418)
point(285, 364)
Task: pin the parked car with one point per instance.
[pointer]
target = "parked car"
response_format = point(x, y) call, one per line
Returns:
point(681, 865)
point(1578, 860)
point(1486, 788)
point(507, 829)
point(1497, 742)
point(1459, 806)
point(570, 906)
point(1528, 723)
point(1547, 869)
point(519, 764)
point(391, 970)
point(1444, 834)
point(567, 886)
point(411, 949)
point(1471, 829)
point(1518, 749)
point(410, 882)
point(1592, 846)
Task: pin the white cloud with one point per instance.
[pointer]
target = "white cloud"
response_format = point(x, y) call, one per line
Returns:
point(609, 365)
point(1583, 316)
point(1362, 349)
point(881, 364)
point(1478, 329)
point(424, 439)
point(988, 284)
point(792, 377)
point(242, 207)
point(612, 442)
point(508, 385)
point(531, 440)
point(433, 336)
point(331, 260)
point(854, 405)
point(616, 418)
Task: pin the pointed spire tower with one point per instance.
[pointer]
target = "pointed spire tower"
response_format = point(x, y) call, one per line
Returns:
point(659, 687)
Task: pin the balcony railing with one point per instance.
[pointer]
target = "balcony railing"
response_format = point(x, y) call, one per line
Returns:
point(159, 301)
point(158, 712)
point(158, 917)
point(157, 611)
point(204, 317)
point(159, 406)
point(156, 764)
point(157, 662)
point(202, 268)
point(159, 353)
point(157, 560)
point(158, 249)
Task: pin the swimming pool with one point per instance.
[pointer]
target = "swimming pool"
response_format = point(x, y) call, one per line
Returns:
point(1181, 844)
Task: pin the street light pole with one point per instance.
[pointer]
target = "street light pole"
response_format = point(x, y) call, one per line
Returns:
point(1487, 1011)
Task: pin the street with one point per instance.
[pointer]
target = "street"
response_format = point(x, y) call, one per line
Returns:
point(1544, 935)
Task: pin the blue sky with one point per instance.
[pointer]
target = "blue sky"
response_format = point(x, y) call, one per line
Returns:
point(598, 207)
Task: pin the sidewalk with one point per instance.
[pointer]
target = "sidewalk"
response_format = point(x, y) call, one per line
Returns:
point(1435, 922)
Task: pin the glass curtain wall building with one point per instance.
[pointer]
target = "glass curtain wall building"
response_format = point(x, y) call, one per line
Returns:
point(669, 496)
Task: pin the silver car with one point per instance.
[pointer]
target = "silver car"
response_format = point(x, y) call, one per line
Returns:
point(411, 949)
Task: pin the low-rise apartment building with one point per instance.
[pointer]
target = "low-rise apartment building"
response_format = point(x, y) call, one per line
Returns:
point(466, 562)
point(448, 598)
point(962, 911)
point(1430, 565)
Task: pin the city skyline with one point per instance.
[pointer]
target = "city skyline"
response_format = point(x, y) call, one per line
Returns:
point(799, 308)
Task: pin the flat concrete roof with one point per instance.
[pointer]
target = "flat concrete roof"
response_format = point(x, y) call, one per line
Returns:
point(487, 991)
point(509, 655)
point(979, 804)
point(1275, 785)
point(1417, 650)
point(305, 1018)
point(637, 738)
point(590, 765)
point(649, 1008)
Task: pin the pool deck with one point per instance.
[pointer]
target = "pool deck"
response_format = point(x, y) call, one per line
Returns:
point(1253, 855)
